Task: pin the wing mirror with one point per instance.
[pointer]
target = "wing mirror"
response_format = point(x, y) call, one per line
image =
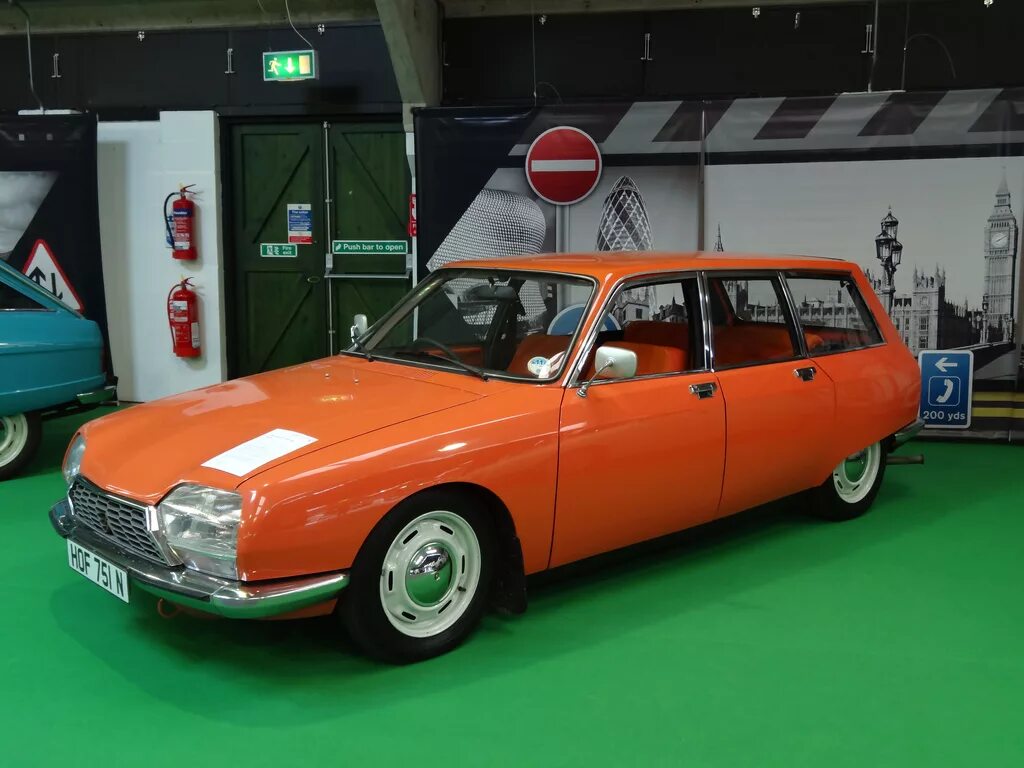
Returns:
point(611, 363)
point(359, 326)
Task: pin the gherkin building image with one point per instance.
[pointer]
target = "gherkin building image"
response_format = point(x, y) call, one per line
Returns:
point(625, 226)
point(624, 223)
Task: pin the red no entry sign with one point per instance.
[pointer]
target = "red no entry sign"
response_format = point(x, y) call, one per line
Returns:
point(563, 165)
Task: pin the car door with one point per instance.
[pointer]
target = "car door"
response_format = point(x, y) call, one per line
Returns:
point(641, 457)
point(780, 406)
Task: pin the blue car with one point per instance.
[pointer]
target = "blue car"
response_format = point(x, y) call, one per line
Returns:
point(51, 363)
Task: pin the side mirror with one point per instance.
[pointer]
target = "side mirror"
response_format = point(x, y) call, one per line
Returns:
point(611, 362)
point(359, 326)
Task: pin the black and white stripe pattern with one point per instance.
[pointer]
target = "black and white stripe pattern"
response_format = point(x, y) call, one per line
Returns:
point(849, 121)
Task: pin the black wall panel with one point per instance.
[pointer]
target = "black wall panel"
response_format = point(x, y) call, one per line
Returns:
point(488, 60)
point(727, 52)
point(566, 48)
point(116, 74)
point(983, 44)
point(491, 60)
point(166, 70)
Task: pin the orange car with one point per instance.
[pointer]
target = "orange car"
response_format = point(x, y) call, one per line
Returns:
point(473, 435)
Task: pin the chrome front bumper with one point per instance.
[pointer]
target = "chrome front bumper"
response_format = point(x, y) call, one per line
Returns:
point(908, 433)
point(232, 599)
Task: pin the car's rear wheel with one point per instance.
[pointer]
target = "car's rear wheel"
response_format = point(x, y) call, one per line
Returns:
point(851, 488)
point(421, 581)
point(19, 439)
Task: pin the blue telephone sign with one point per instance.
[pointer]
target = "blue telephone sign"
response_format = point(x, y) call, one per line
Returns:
point(947, 378)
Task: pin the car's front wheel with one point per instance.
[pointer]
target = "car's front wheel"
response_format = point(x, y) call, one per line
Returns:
point(852, 486)
point(420, 583)
point(19, 439)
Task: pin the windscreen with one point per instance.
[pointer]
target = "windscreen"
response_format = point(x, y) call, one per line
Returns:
point(485, 322)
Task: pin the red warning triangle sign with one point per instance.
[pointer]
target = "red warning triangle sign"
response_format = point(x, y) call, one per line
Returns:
point(43, 269)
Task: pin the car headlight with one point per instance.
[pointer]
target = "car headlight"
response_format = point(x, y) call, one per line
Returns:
point(201, 525)
point(73, 460)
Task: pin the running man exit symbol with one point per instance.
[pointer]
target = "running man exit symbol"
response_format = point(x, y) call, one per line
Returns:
point(946, 386)
point(285, 66)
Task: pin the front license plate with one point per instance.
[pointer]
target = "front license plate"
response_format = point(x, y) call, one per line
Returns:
point(98, 570)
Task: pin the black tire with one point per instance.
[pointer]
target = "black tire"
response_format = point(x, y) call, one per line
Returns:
point(829, 503)
point(362, 607)
point(15, 459)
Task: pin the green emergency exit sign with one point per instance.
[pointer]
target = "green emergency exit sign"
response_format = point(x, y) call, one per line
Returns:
point(278, 250)
point(284, 66)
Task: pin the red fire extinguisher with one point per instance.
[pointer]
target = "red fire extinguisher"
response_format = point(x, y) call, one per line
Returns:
point(181, 224)
point(183, 318)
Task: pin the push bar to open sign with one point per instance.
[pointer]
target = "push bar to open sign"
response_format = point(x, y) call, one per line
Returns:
point(368, 276)
point(369, 247)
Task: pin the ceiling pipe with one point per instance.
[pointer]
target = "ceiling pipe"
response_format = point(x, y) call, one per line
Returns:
point(28, 44)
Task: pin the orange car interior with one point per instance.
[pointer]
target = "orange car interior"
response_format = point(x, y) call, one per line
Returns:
point(470, 353)
point(839, 338)
point(660, 333)
point(660, 347)
point(664, 347)
point(743, 343)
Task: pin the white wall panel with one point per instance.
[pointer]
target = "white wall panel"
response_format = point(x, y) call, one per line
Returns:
point(140, 163)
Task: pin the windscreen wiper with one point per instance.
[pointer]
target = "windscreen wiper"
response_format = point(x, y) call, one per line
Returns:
point(358, 344)
point(444, 358)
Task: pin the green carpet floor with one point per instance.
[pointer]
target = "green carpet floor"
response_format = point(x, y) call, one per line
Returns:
point(766, 640)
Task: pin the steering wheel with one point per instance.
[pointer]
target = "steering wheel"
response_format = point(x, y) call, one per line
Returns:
point(425, 341)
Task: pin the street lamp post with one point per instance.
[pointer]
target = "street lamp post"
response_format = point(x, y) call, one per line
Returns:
point(889, 252)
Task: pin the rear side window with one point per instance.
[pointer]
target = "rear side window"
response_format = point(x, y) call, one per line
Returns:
point(12, 299)
point(750, 321)
point(832, 312)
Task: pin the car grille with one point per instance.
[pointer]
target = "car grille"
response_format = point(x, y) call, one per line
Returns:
point(117, 520)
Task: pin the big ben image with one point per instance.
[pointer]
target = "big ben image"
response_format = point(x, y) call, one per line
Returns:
point(1001, 234)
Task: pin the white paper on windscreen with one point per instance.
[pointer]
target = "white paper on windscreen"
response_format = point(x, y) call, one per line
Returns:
point(252, 454)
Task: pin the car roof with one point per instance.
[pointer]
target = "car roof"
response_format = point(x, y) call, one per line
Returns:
point(604, 264)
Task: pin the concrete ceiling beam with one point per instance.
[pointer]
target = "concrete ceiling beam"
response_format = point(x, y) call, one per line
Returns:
point(413, 37)
point(49, 16)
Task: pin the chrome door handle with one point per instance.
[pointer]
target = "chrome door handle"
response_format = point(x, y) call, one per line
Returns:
point(703, 390)
point(805, 374)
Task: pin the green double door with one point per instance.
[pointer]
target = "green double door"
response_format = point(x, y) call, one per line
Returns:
point(313, 184)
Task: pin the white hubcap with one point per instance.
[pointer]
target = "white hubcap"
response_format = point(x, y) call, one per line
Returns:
point(431, 573)
point(13, 437)
point(856, 474)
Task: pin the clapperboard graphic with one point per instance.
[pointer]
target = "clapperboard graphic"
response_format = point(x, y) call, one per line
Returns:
point(799, 126)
